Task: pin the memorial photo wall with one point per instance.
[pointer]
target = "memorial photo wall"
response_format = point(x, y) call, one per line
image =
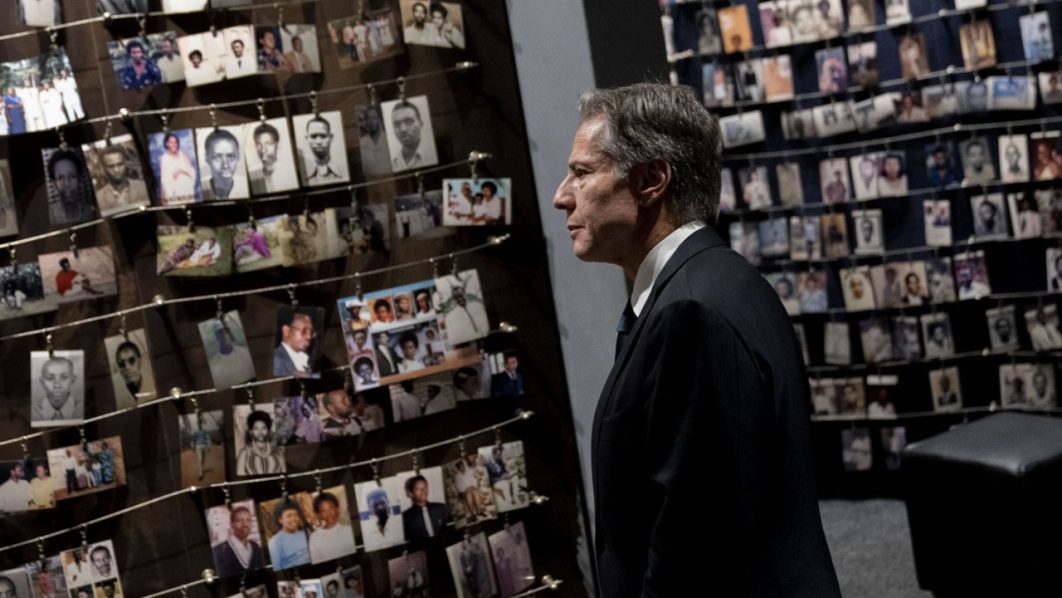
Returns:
point(894, 170)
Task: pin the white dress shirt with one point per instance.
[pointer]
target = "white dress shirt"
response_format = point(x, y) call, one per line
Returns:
point(654, 263)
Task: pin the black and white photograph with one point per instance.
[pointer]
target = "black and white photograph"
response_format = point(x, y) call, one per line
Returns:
point(1051, 87)
point(459, 302)
point(69, 186)
point(833, 118)
point(973, 96)
point(203, 56)
point(425, 515)
point(235, 542)
point(823, 398)
point(977, 162)
point(380, 512)
point(202, 440)
point(785, 285)
point(1045, 155)
point(477, 202)
point(40, 13)
point(131, 373)
point(1041, 323)
point(117, 174)
point(867, 231)
point(743, 128)
point(936, 329)
point(26, 485)
point(748, 79)
point(866, 169)
point(470, 565)
point(174, 165)
point(892, 177)
point(856, 453)
point(805, 241)
point(415, 398)
point(227, 352)
point(755, 188)
point(837, 346)
point(1024, 215)
point(905, 343)
point(863, 63)
point(889, 284)
point(879, 395)
point(23, 291)
point(1042, 387)
point(875, 112)
point(833, 181)
point(15, 583)
point(851, 397)
point(1036, 39)
point(1049, 204)
point(256, 443)
point(709, 39)
point(945, 389)
point(989, 216)
point(876, 339)
point(8, 212)
point(223, 172)
point(971, 275)
point(58, 388)
point(1015, 384)
point(512, 559)
point(296, 341)
point(1012, 93)
point(269, 157)
point(410, 136)
point(363, 39)
point(321, 148)
point(774, 237)
point(299, 41)
point(1002, 328)
point(87, 467)
point(915, 287)
point(857, 288)
point(834, 235)
point(941, 281)
point(798, 124)
point(942, 167)
point(436, 24)
point(69, 276)
point(420, 215)
point(1014, 158)
point(790, 188)
point(936, 214)
point(407, 575)
point(372, 141)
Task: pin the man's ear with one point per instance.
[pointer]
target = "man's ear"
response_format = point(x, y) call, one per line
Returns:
point(650, 181)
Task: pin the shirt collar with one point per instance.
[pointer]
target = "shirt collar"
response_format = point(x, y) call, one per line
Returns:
point(299, 359)
point(655, 261)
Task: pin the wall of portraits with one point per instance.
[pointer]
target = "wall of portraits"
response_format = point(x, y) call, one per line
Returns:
point(895, 171)
point(266, 270)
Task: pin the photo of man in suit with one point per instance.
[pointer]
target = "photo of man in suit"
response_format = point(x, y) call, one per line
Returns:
point(296, 351)
point(238, 553)
point(425, 519)
point(508, 382)
point(386, 359)
point(723, 489)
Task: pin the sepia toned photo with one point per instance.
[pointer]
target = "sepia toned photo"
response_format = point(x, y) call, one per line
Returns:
point(785, 284)
point(117, 175)
point(945, 390)
point(363, 39)
point(1051, 87)
point(130, 368)
point(372, 141)
point(978, 44)
point(202, 252)
point(790, 188)
point(905, 343)
point(977, 162)
point(227, 353)
point(941, 281)
point(203, 56)
point(805, 242)
point(914, 62)
point(866, 228)
point(857, 288)
point(435, 24)
point(202, 440)
point(257, 446)
point(471, 567)
point(866, 169)
point(1002, 328)
point(89, 467)
point(408, 574)
point(735, 29)
point(833, 181)
point(299, 41)
point(936, 214)
point(1042, 326)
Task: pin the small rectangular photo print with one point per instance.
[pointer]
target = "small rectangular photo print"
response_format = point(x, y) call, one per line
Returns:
point(174, 165)
point(297, 420)
point(363, 39)
point(424, 512)
point(945, 390)
point(477, 202)
point(200, 252)
point(27, 486)
point(297, 341)
point(257, 246)
point(257, 447)
point(202, 441)
point(134, 61)
point(471, 567)
point(941, 281)
point(311, 237)
point(777, 78)
point(328, 523)
point(420, 215)
point(435, 24)
point(832, 70)
point(410, 136)
point(857, 288)
point(1012, 93)
point(130, 367)
point(735, 28)
point(117, 174)
point(321, 147)
point(936, 329)
point(989, 216)
point(223, 172)
point(507, 475)
point(299, 41)
point(856, 453)
point(227, 352)
point(1036, 38)
point(784, 284)
point(834, 118)
point(866, 169)
point(1046, 150)
point(1041, 323)
point(235, 542)
point(742, 129)
point(748, 76)
point(774, 238)
point(47, 577)
point(422, 396)
point(1024, 215)
point(88, 273)
point(863, 63)
point(89, 467)
point(833, 181)
point(372, 141)
point(892, 177)
point(1002, 328)
point(876, 338)
point(270, 157)
point(459, 302)
point(790, 188)
point(755, 188)
point(379, 512)
point(866, 228)
point(69, 186)
point(469, 493)
point(936, 214)
point(23, 291)
point(1014, 158)
point(40, 13)
point(1051, 87)
point(942, 167)
point(203, 56)
point(512, 559)
point(407, 574)
point(837, 346)
point(880, 389)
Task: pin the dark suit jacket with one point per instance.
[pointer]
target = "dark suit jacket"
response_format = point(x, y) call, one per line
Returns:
point(701, 457)
point(413, 521)
point(282, 363)
point(228, 565)
point(382, 366)
point(501, 385)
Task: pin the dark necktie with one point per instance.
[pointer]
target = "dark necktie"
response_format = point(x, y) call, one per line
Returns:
point(626, 323)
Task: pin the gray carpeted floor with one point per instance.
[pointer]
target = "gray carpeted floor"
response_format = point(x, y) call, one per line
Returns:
point(871, 548)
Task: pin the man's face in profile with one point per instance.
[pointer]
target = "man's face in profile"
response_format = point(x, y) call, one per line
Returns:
point(407, 126)
point(57, 378)
point(114, 167)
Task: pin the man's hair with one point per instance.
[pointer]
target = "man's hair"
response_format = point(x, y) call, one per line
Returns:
point(411, 482)
point(102, 549)
point(236, 41)
point(408, 337)
point(650, 121)
point(133, 44)
point(438, 7)
point(64, 154)
point(128, 346)
point(195, 53)
point(406, 104)
point(112, 149)
point(232, 515)
point(319, 119)
point(266, 129)
point(322, 498)
point(362, 361)
point(219, 135)
point(287, 316)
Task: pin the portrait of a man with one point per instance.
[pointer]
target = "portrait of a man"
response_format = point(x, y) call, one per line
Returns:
point(424, 514)
point(270, 161)
point(510, 381)
point(372, 141)
point(236, 550)
point(410, 136)
point(332, 537)
point(225, 176)
point(238, 62)
point(116, 175)
point(295, 353)
point(58, 389)
point(139, 70)
point(226, 348)
point(378, 511)
point(131, 373)
point(322, 148)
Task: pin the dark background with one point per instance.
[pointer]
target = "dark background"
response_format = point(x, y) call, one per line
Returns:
point(165, 544)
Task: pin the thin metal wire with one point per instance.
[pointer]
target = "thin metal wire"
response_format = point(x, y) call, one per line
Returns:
point(521, 415)
point(988, 297)
point(924, 414)
point(896, 363)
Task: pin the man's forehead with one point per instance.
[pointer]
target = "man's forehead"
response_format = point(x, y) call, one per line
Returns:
point(586, 146)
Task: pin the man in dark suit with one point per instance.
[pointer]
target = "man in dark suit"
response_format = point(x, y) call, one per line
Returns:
point(701, 459)
point(424, 519)
point(238, 553)
point(510, 382)
point(386, 359)
point(293, 353)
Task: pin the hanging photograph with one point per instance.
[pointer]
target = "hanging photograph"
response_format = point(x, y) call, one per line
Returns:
point(1042, 325)
point(942, 168)
point(424, 512)
point(507, 475)
point(802, 16)
point(269, 156)
point(296, 341)
point(8, 212)
point(235, 541)
point(892, 178)
point(977, 162)
point(299, 41)
point(436, 24)
point(239, 59)
point(420, 215)
point(861, 14)
point(477, 202)
point(258, 450)
point(709, 40)
point(774, 22)
point(359, 40)
point(311, 237)
point(978, 44)
point(755, 188)
point(39, 93)
point(941, 100)
point(914, 62)
point(989, 216)
point(1024, 215)
point(40, 13)
point(1051, 87)
point(909, 108)
point(941, 281)
point(174, 165)
point(179, 6)
point(47, 577)
point(833, 181)
point(410, 136)
point(1045, 155)
point(971, 275)
point(897, 12)
point(837, 348)
point(471, 568)
point(133, 63)
point(70, 276)
point(867, 232)
point(936, 329)
point(945, 390)
point(1011, 93)
point(202, 441)
point(469, 494)
point(833, 118)
point(735, 28)
point(223, 175)
point(1014, 158)
point(116, 173)
point(26, 485)
point(718, 84)
point(201, 252)
point(130, 368)
point(798, 124)
point(23, 291)
point(296, 420)
point(257, 246)
point(875, 112)
point(203, 56)
point(321, 147)
point(458, 299)
point(423, 396)
point(856, 453)
point(784, 284)
point(1002, 328)
point(830, 64)
point(379, 513)
point(936, 215)
point(1036, 39)
point(69, 186)
point(863, 64)
point(748, 74)
point(408, 574)
point(866, 169)
point(857, 288)
point(512, 559)
point(88, 467)
point(226, 350)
